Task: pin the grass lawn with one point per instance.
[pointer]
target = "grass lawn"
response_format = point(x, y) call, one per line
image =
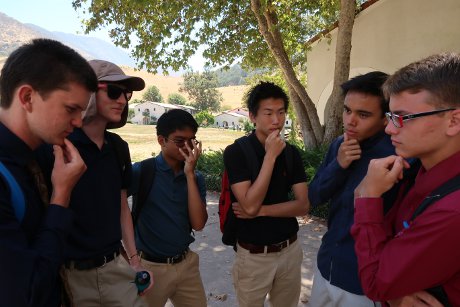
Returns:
point(143, 142)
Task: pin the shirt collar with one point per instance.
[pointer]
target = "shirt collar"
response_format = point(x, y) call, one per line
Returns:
point(162, 165)
point(438, 174)
point(14, 147)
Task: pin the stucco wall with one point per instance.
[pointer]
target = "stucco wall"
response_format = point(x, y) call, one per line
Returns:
point(386, 36)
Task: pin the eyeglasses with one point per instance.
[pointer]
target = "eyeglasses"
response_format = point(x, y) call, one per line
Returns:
point(398, 120)
point(181, 142)
point(114, 91)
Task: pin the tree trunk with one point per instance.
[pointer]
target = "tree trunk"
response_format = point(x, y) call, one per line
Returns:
point(302, 117)
point(312, 132)
point(334, 105)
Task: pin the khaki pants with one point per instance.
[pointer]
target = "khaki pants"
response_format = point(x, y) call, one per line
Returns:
point(275, 274)
point(180, 282)
point(109, 285)
point(323, 294)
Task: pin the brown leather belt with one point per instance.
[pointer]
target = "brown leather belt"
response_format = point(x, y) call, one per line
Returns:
point(169, 260)
point(272, 248)
point(93, 263)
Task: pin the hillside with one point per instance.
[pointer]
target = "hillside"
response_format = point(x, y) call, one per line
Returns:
point(232, 95)
point(14, 33)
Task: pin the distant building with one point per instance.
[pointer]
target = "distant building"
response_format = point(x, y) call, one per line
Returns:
point(230, 120)
point(148, 112)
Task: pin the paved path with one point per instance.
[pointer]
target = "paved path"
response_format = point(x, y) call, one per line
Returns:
point(216, 259)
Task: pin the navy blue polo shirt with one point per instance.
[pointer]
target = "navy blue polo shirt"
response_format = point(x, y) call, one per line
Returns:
point(96, 198)
point(265, 230)
point(30, 252)
point(163, 228)
point(336, 257)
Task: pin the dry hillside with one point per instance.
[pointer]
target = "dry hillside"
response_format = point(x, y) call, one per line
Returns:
point(168, 85)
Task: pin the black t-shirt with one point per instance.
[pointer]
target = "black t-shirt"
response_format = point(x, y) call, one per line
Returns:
point(265, 230)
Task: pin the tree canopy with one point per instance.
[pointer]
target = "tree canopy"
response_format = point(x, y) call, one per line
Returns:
point(201, 88)
point(152, 94)
point(176, 98)
point(259, 33)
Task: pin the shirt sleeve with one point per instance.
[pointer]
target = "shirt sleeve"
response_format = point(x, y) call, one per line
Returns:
point(419, 257)
point(329, 177)
point(201, 186)
point(236, 164)
point(127, 171)
point(29, 271)
point(298, 169)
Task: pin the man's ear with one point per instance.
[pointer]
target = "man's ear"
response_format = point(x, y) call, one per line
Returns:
point(252, 117)
point(161, 140)
point(25, 95)
point(454, 124)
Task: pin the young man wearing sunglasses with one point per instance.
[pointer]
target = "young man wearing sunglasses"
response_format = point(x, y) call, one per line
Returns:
point(397, 256)
point(336, 281)
point(44, 86)
point(95, 274)
point(175, 205)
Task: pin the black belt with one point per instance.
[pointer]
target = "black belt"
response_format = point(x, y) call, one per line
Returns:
point(272, 248)
point(89, 264)
point(169, 260)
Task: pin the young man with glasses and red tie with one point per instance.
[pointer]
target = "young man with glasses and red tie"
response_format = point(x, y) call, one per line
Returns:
point(400, 255)
point(174, 206)
point(94, 272)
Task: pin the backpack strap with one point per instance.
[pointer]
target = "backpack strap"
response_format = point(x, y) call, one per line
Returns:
point(17, 197)
point(448, 187)
point(289, 158)
point(147, 171)
point(250, 155)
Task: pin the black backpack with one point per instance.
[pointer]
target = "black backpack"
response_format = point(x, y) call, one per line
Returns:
point(226, 215)
point(147, 171)
point(448, 187)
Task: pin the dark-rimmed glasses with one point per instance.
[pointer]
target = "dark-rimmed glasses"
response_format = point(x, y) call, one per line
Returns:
point(181, 142)
point(115, 91)
point(398, 120)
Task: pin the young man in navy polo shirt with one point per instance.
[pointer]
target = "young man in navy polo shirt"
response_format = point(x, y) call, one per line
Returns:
point(44, 88)
point(269, 256)
point(175, 206)
point(336, 281)
point(95, 274)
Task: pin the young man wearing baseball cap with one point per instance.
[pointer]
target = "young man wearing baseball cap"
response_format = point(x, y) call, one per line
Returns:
point(94, 273)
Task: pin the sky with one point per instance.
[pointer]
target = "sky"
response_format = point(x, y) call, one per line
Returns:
point(59, 15)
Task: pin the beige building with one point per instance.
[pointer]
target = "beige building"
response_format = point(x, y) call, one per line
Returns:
point(387, 35)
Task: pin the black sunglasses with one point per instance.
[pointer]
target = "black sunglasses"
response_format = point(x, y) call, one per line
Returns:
point(114, 91)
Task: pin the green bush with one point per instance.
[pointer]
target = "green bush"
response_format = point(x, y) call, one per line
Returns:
point(211, 165)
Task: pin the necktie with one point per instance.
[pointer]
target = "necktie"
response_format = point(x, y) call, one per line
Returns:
point(40, 182)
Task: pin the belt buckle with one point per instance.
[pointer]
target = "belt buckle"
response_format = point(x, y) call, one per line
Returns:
point(105, 262)
point(279, 246)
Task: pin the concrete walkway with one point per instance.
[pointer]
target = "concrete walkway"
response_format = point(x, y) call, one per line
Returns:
point(216, 259)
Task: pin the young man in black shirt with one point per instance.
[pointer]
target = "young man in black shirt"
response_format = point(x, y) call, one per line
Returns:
point(269, 256)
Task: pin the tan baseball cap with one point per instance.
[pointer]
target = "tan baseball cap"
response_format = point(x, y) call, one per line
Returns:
point(109, 72)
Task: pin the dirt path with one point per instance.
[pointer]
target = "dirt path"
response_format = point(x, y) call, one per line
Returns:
point(216, 259)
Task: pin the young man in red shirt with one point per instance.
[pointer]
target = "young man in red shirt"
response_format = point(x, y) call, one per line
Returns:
point(397, 257)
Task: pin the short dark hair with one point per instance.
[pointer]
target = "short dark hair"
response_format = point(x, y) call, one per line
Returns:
point(264, 90)
point(176, 119)
point(370, 83)
point(439, 74)
point(46, 65)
